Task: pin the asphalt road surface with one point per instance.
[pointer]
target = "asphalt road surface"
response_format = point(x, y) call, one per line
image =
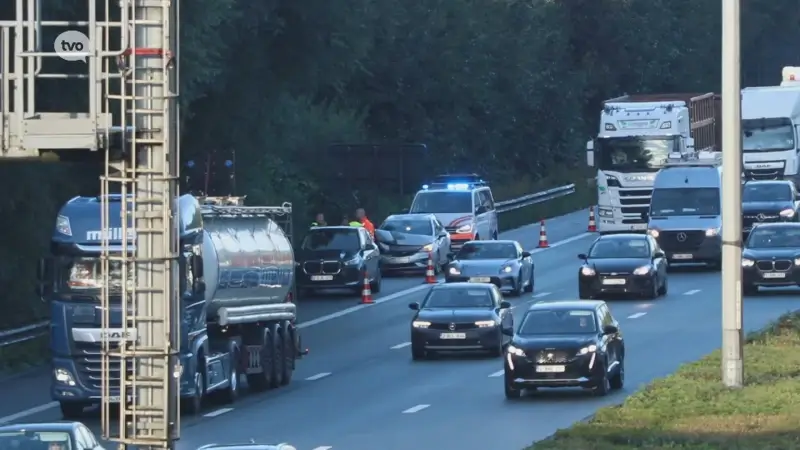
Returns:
point(358, 388)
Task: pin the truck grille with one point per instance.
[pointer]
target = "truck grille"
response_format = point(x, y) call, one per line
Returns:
point(90, 367)
point(771, 266)
point(553, 356)
point(634, 202)
point(764, 174)
point(681, 240)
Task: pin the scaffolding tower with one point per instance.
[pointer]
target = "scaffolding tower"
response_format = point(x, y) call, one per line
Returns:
point(135, 83)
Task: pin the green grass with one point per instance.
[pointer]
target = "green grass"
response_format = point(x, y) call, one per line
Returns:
point(691, 410)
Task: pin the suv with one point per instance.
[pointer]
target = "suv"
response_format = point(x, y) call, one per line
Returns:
point(338, 257)
point(463, 203)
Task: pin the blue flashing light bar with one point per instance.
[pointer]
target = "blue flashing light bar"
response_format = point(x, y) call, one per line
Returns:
point(455, 182)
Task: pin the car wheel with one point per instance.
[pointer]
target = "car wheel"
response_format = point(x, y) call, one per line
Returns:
point(512, 392)
point(418, 353)
point(749, 289)
point(375, 286)
point(653, 293)
point(604, 384)
point(529, 287)
point(664, 287)
point(518, 286)
point(500, 349)
point(618, 380)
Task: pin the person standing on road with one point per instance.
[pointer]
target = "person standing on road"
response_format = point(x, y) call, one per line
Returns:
point(361, 215)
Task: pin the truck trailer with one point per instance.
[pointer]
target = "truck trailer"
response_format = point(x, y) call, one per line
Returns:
point(638, 133)
point(236, 272)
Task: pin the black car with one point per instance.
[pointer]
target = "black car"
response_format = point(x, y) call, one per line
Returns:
point(768, 201)
point(48, 436)
point(458, 317)
point(406, 241)
point(566, 344)
point(623, 264)
point(503, 263)
point(338, 257)
point(771, 257)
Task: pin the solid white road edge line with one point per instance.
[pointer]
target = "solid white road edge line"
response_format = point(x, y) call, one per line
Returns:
point(218, 412)
point(692, 292)
point(414, 409)
point(637, 315)
point(499, 373)
point(317, 321)
point(398, 346)
point(318, 376)
point(542, 294)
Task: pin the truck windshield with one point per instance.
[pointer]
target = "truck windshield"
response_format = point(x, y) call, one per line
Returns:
point(685, 202)
point(85, 274)
point(762, 135)
point(441, 202)
point(635, 154)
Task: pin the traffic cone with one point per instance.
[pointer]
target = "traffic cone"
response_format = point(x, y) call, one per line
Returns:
point(543, 236)
point(592, 224)
point(366, 292)
point(430, 274)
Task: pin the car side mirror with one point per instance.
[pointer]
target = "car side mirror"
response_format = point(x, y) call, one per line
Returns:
point(505, 304)
point(582, 256)
point(413, 306)
point(610, 329)
point(659, 254)
point(526, 254)
point(507, 331)
point(645, 216)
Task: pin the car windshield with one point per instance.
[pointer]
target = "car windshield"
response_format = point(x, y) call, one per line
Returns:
point(332, 239)
point(777, 237)
point(767, 192)
point(35, 440)
point(620, 248)
point(487, 251)
point(685, 202)
point(558, 322)
point(441, 202)
point(468, 297)
point(85, 273)
point(422, 227)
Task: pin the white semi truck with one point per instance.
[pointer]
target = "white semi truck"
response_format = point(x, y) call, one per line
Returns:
point(770, 123)
point(638, 134)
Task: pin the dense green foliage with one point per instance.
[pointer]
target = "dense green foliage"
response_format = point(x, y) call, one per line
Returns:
point(509, 88)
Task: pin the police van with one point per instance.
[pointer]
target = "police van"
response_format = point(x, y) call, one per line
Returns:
point(686, 211)
point(463, 204)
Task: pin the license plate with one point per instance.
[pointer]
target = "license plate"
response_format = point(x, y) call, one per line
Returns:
point(638, 227)
point(480, 280)
point(614, 281)
point(115, 398)
point(550, 369)
point(404, 260)
point(682, 256)
point(453, 336)
point(321, 277)
point(774, 275)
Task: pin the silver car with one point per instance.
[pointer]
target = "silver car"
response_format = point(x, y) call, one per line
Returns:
point(502, 263)
point(407, 240)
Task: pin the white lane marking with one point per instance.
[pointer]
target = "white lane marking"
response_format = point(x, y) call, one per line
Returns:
point(542, 294)
point(637, 315)
point(417, 408)
point(318, 376)
point(311, 323)
point(218, 412)
point(404, 344)
point(499, 373)
point(324, 447)
point(692, 292)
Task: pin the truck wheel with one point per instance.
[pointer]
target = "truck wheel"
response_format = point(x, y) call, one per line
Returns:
point(231, 393)
point(261, 381)
point(194, 404)
point(289, 353)
point(278, 360)
point(71, 410)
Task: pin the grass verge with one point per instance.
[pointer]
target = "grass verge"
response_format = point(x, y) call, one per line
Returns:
point(24, 355)
point(691, 410)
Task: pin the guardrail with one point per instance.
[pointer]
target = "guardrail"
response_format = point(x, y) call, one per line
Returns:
point(33, 331)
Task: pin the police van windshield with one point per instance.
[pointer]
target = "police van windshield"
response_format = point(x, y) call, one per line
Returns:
point(332, 239)
point(635, 154)
point(422, 227)
point(83, 274)
point(685, 202)
point(759, 135)
point(440, 202)
point(767, 192)
point(774, 237)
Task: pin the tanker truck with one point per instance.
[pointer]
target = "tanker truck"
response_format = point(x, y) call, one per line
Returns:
point(236, 276)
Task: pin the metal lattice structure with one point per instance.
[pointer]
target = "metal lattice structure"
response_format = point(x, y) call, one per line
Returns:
point(136, 84)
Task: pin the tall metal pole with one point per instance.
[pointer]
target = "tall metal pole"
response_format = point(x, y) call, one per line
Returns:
point(732, 337)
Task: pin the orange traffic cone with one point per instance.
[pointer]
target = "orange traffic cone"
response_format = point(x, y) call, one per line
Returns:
point(592, 224)
point(366, 292)
point(430, 274)
point(543, 236)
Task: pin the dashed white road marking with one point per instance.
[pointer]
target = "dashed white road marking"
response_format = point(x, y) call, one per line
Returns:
point(318, 376)
point(415, 409)
point(398, 346)
point(218, 412)
point(28, 412)
point(324, 447)
point(692, 292)
point(541, 294)
point(637, 315)
point(499, 373)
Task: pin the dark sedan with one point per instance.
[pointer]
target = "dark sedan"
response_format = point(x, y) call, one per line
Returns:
point(768, 201)
point(459, 317)
point(48, 436)
point(623, 264)
point(566, 344)
point(771, 257)
point(503, 263)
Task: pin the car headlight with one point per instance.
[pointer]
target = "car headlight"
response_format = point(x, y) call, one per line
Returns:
point(603, 212)
point(587, 271)
point(788, 213)
point(428, 248)
point(62, 225)
point(352, 262)
point(644, 270)
point(454, 271)
point(516, 351)
point(506, 269)
point(486, 323)
point(712, 232)
point(653, 233)
point(420, 324)
point(464, 228)
point(749, 262)
point(797, 261)
point(588, 349)
point(64, 377)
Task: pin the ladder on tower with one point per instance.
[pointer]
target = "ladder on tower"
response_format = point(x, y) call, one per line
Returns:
point(147, 179)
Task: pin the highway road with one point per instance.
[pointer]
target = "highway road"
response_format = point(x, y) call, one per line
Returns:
point(359, 389)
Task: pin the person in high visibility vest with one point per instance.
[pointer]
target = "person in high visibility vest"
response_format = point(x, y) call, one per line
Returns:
point(361, 215)
point(319, 221)
point(355, 223)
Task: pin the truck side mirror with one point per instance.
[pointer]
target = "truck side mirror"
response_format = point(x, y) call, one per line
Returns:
point(590, 153)
point(197, 266)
